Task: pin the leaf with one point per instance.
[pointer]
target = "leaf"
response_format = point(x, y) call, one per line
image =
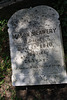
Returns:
point(2, 82)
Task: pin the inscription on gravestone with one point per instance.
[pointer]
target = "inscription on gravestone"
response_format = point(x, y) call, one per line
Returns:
point(36, 47)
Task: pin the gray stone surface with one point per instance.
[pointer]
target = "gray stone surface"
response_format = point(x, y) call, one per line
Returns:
point(37, 55)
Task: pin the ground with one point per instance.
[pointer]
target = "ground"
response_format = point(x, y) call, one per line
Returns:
point(42, 92)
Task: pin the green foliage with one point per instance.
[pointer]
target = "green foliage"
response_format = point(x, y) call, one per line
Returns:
point(16, 98)
point(4, 54)
point(4, 66)
point(3, 23)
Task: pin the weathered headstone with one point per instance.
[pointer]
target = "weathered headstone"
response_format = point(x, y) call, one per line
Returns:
point(37, 55)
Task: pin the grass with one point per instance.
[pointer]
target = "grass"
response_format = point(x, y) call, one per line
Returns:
point(5, 65)
point(4, 51)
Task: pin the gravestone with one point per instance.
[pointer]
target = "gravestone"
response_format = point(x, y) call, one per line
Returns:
point(37, 55)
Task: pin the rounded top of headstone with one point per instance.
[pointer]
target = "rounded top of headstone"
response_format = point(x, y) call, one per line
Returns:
point(28, 14)
point(36, 47)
